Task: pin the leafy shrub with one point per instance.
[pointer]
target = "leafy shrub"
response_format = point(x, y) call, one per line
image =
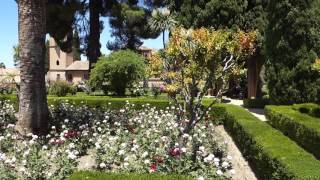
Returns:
point(270, 154)
point(61, 88)
point(303, 129)
point(255, 103)
point(117, 71)
point(86, 175)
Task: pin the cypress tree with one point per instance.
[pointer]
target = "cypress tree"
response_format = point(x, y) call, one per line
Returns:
point(293, 45)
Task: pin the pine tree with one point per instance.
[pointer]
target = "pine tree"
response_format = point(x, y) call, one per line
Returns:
point(129, 25)
point(293, 45)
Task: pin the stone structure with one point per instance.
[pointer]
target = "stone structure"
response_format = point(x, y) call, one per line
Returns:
point(63, 66)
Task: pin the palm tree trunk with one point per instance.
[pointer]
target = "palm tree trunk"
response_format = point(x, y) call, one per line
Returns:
point(33, 113)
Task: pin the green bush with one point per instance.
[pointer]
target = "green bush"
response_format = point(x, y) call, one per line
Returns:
point(270, 154)
point(117, 71)
point(93, 175)
point(61, 88)
point(255, 103)
point(303, 129)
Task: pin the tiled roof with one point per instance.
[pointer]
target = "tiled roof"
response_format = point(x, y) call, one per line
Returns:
point(79, 65)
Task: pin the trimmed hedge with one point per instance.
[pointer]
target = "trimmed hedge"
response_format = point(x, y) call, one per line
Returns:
point(100, 101)
point(303, 129)
point(255, 103)
point(103, 101)
point(94, 175)
point(270, 154)
point(308, 108)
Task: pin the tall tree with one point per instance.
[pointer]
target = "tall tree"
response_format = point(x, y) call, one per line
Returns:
point(293, 45)
point(61, 17)
point(93, 51)
point(76, 46)
point(33, 110)
point(128, 22)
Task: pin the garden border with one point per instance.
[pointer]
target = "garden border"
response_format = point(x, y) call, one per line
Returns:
point(270, 154)
point(300, 127)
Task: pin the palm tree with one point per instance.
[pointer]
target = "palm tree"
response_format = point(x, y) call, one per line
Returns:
point(33, 109)
point(161, 21)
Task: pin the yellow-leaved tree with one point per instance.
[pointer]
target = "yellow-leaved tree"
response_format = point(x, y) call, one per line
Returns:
point(198, 59)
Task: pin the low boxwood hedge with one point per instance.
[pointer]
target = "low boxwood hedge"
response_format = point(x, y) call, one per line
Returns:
point(308, 108)
point(95, 175)
point(270, 154)
point(300, 127)
point(255, 103)
point(100, 101)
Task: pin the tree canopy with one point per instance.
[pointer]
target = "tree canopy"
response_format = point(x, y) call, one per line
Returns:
point(129, 25)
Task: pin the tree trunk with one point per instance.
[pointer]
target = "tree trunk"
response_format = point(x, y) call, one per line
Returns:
point(254, 68)
point(94, 34)
point(33, 110)
point(163, 39)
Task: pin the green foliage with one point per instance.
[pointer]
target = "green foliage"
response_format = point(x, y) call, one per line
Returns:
point(255, 103)
point(117, 71)
point(61, 88)
point(129, 23)
point(2, 65)
point(293, 45)
point(37, 165)
point(6, 173)
point(303, 129)
point(308, 108)
point(270, 154)
point(87, 175)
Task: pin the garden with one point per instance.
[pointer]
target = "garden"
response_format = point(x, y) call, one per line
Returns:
point(223, 66)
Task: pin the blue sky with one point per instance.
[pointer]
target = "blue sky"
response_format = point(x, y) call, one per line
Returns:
point(9, 33)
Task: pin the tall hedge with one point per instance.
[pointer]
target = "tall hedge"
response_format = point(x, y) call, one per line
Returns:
point(292, 45)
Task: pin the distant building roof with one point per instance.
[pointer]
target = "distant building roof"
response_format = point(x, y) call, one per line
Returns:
point(144, 48)
point(9, 73)
point(78, 65)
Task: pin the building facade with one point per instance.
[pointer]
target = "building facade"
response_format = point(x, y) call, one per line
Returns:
point(63, 66)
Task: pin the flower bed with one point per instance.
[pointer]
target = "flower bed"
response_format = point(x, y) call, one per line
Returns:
point(92, 175)
point(148, 140)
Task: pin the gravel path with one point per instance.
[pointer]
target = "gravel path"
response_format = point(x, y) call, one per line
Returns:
point(259, 113)
point(240, 165)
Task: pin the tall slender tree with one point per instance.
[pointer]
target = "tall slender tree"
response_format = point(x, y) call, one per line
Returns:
point(93, 51)
point(33, 110)
point(293, 45)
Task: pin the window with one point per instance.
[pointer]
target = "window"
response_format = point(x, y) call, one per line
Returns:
point(85, 76)
point(58, 77)
point(70, 78)
point(57, 62)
